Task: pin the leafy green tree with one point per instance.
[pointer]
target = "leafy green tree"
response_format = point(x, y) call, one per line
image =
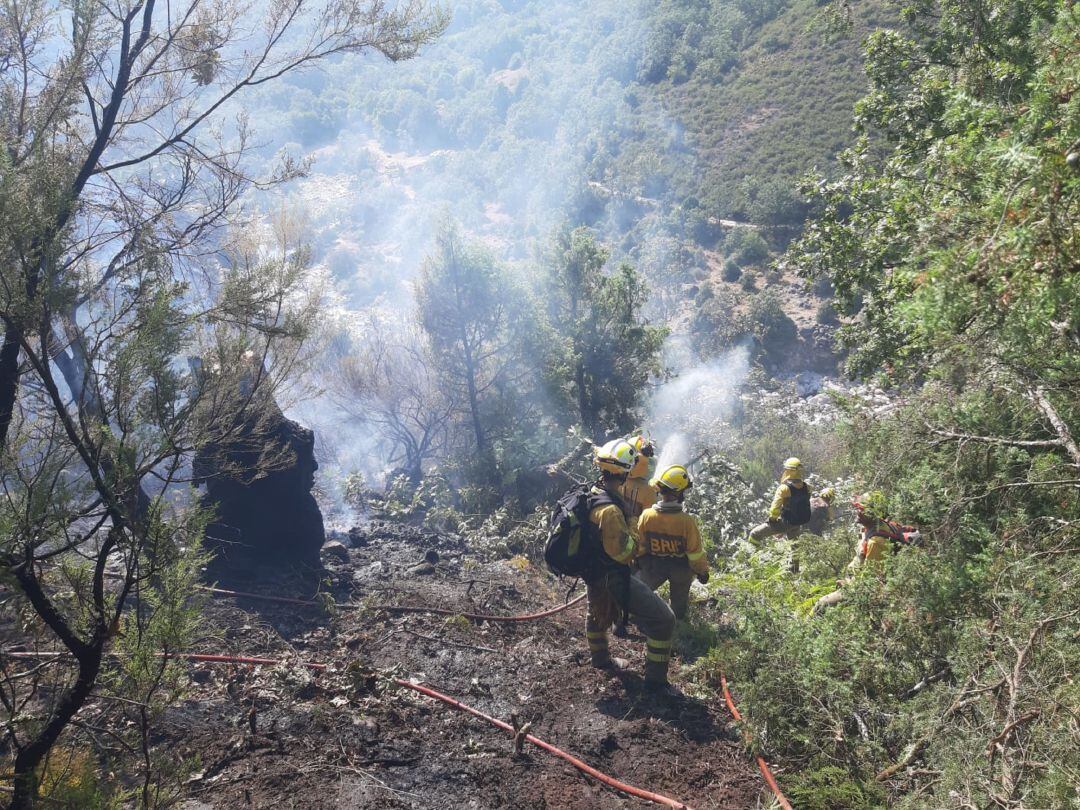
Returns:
point(604, 352)
point(117, 182)
point(388, 380)
point(472, 315)
point(951, 236)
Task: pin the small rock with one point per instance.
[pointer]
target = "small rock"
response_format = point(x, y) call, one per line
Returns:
point(374, 571)
point(423, 569)
point(432, 556)
point(336, 549)
point(808, 383)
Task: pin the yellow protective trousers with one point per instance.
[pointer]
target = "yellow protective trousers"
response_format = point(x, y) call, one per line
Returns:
point(655, 571)
point(649, 613)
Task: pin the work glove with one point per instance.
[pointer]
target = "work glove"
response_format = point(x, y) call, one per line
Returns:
point(703, 577)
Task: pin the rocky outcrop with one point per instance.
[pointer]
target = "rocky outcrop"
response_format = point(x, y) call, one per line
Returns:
point(258, 477)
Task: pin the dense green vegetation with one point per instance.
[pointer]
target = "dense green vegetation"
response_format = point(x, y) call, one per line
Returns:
point(764, 92)
point(947, 676)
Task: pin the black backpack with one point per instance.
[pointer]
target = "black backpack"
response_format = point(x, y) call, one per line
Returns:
point(573, 546)
point(797, 509)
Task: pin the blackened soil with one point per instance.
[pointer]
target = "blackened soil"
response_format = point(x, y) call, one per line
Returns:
point(284, 737)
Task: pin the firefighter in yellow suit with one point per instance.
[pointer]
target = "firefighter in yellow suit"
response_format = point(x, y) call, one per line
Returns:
point(638, 493)
point(670, 549)
point(614, 589)
point(876, 539)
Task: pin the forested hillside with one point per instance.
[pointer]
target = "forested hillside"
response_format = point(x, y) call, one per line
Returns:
point(642, 120)
point(343, 340)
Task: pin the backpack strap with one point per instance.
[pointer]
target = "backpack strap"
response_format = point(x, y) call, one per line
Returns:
point(605, 498)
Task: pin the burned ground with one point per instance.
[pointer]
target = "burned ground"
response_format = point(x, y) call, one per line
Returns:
point(284, 736)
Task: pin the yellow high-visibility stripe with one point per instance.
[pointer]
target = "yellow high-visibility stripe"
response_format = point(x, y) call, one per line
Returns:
point(659, 658)
point(660, 645)
point(629, 546)
point(596, 634)
point(694, 556)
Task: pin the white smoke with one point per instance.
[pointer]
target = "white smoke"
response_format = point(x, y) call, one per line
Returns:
point(687, 415)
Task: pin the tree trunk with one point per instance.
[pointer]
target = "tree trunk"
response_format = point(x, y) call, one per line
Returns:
point(9, 380)
point(584, 409)
point(77, 375)
point(29, 758)
point(474, 404)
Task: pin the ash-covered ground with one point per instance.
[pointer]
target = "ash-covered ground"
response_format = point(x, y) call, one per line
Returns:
point(347, 737)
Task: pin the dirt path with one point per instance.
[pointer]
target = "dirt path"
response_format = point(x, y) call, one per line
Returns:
point(345, 738)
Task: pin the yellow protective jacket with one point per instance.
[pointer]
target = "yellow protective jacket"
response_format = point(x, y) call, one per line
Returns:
point(667, 531)
point(783, 493)
point(638, 495)
point(618, 539)
point(872, 545)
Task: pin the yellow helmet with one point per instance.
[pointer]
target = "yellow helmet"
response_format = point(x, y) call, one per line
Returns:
point(871, 504)
point(793, 467)
point(828, 494)
point(645, 451)
point(673, 479)
point(617, 456)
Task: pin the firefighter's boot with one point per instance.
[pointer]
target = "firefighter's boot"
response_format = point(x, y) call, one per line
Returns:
point(657, 656)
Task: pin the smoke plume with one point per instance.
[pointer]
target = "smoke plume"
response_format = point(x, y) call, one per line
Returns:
point(687, 415)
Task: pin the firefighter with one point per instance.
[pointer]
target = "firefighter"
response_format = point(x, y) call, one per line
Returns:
point(790, 509)
point(821, 511)
point(638, 494)
point(878, 535)
point(614, 589)
point(670, 543)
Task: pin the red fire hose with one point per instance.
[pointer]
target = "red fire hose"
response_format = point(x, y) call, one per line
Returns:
point(551, 749)
point(428, 692)
point(763, 766)
point(476, 617)
point(204, 657)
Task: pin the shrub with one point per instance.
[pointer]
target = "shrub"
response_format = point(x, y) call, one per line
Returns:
point(769, 323)
point(826, 314)
point(830, 788)
point(747, 246)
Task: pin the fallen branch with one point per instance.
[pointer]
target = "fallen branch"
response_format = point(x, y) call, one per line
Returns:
point(999, 739)
point(969, 437)
point(1043, 403)
point(451, 642)
point(478, 617)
